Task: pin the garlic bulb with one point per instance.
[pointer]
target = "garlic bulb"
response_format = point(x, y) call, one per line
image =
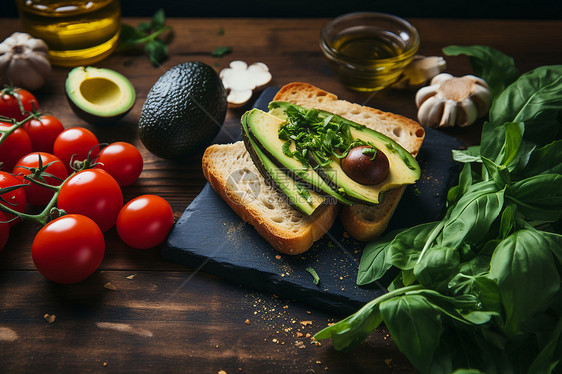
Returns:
point(24, 61)
point(453, 101)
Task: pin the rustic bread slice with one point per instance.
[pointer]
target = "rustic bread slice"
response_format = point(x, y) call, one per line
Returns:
point(233, 175)
point(360, 221)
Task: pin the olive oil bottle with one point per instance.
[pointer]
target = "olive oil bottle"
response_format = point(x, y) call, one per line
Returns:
point(78, 32)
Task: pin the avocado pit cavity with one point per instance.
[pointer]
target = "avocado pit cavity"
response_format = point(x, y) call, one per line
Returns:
point(99, 96)
point(366, 165)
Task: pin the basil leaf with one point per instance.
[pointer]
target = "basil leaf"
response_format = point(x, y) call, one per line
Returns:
point(523, 267)
point(415, 325)
point(472, 216)
point(538, 197)
point(535, 99)
point(157, 51)
point(436, 267)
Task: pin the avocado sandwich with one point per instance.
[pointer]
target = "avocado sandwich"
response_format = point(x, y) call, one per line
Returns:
point(310, 158)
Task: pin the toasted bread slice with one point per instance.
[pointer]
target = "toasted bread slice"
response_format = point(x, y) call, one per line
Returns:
point(360, 221)
point(234, 176)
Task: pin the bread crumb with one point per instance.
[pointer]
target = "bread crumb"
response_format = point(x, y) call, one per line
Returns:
point(299, 334)
point(307, 335)
point(131, 276)
point(278, 257)
point(104, 364)
point(221, 372)
point(50, 318)
point(247, 322)
point(306, 323)
point(110, 286)
point(388, 361)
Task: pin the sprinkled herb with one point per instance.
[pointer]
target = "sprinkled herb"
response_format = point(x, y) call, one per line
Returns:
point(221, 51)
point(316, 135)
point(316, 278)
point(146, 34)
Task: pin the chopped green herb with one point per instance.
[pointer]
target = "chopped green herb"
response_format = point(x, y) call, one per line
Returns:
point(316, 278)
point(221, 51)
point(317, 135)
point(370, 152)
point(221, 31)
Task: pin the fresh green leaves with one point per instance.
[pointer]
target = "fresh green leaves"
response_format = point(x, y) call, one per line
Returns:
point(147, 34)
point(480, 290)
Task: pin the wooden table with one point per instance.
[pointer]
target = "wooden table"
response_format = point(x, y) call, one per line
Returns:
point(163, 317)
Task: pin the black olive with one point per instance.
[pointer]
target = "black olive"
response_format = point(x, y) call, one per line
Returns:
point(360, 166)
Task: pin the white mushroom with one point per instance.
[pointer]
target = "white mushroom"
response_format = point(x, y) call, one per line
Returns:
point(420, 70)
point(240, 80)
point(452, 101)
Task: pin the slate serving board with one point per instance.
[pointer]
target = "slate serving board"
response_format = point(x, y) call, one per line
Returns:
point(209, 236)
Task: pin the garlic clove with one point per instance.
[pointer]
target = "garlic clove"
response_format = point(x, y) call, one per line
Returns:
point(431, 111)
point(425, 93)
point(482, 98)
point(450, 112)
point(470, 112)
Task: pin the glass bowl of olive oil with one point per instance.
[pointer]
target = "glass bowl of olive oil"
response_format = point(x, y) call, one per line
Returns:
point(368, 51)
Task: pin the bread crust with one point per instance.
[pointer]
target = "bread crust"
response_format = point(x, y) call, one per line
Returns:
point(283, 240)
point(363, 223)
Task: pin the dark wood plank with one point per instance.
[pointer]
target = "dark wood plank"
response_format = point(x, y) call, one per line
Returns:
point(168, 322)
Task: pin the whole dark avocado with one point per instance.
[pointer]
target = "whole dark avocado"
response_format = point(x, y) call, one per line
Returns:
point(184, 111)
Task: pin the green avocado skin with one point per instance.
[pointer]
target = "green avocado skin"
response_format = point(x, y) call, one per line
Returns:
point(183, 111)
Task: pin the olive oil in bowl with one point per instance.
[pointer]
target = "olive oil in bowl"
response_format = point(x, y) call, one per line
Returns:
point(369, 51)
point(78, 32)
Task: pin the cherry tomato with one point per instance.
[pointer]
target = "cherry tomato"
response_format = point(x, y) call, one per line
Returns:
point(15, 199)
point(39, 195)
point(73, 144)
point(123, 161)
point(16, 145)
point(10, 105)
point(68, 249)
point(4, 230)
point(93, 193)
point(43, 131)
point(145, 221)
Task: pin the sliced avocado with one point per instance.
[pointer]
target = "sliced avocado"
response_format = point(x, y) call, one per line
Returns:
point(403, 166)
point(99, 96)
point(300, 197)
point(263, 128)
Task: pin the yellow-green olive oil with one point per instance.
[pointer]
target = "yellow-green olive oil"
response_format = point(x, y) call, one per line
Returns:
point(377, 59)
point(78, 32)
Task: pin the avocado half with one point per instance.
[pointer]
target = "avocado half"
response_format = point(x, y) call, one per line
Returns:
point(99, 96)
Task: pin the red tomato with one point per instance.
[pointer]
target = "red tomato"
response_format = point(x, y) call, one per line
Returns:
point(43, 131)
point(73, 144)
point(39, 195)
point(68, 249)
point(16, 145)
point(123, 161)
point(145, 221)
point(4, 230)
point(16, 199)
point(93, 193)
point(10, 100)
